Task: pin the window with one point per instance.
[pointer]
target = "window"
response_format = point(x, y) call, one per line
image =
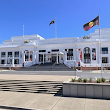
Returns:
point(9, 54)
point(26, 55)
point(16, 61)
point(42, 50)
point(70, 54)
point(56, 50)
point(93, 53)
point(2, 54)
point(104, 59)
point(87, 55)
point(2, 61)
point(104, 50)
point(16, 54)
point(9, 61)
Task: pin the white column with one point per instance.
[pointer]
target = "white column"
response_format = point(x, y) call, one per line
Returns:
point(12, 61)
point(23, 57)
point(29, 56)
point(43, 58)
point(57, 58)
point(33, 56)
point(6, 56)
point(65, 56)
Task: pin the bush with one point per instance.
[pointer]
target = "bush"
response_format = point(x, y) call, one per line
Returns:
point(85, 80)
point(90, 79)
point(73, 80)
point(103, 80)
point(99, 80)
point(109, 80)
point(80, 80)
point(74, 68)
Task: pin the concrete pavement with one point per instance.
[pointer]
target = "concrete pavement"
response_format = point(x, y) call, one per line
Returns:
point(49, 102)
point(84, 74)
point(37, 101)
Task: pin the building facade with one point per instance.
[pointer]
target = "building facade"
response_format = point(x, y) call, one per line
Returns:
point(72, 51)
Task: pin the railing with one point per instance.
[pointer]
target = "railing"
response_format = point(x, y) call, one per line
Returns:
point(105, 64)
point(5, 65)
point(3, 55)
point(9, 55)
point(70, 63)
point(10, 65)
point(16, 55)
point(104, 52)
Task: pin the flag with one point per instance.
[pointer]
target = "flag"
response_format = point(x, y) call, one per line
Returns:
point(92, 23)
point(52, 22)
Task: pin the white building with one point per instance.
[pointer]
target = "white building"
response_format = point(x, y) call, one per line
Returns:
point(34, 49)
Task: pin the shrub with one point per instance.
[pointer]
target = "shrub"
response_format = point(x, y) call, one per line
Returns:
point(80, 80)
point(73, 80)
point(99, 80)
point(85, 80)
point(90, 79)
point(74, 68)
point(103, 80)
point(109, 80)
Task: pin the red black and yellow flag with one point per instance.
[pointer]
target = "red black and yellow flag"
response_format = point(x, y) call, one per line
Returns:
point(92, 23)
point(52, 22)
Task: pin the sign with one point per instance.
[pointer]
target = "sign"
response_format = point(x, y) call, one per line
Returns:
point(26, 41)
point(31, 52)
point(80, 54)
point(93, 53)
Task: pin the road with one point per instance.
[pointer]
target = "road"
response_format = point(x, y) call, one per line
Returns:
point(84, 74)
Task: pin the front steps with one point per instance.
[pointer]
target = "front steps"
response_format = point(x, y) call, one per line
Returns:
point(47, 67)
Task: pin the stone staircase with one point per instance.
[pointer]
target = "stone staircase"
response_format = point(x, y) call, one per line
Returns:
point(47, 67)
point(47, 87)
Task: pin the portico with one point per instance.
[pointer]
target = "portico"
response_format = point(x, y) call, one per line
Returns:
point(54, 57)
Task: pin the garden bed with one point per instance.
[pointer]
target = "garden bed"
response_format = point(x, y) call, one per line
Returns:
point(86, 90)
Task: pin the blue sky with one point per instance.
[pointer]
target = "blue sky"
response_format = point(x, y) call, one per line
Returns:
point(36, 15)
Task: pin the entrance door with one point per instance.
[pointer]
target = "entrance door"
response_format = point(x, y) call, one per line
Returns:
point(53, 58)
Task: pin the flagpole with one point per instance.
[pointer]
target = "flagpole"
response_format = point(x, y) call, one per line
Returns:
point(55, 28)
point(100, 49)
point(23, 33)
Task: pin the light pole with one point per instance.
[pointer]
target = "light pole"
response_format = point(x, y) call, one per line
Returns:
point(9, 63)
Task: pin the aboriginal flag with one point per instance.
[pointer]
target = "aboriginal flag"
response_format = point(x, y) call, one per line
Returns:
point(92, 23)
point(52, 22)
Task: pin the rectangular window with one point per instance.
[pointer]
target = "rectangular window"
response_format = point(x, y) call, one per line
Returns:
point(2, 54)
point(42, 50)
point(9, 61)
point(56, 50)
point(69, 54)
point(104, 50)
point(16, 61)
point(9, 54)
point(16, 54)
point(2, 61)
point(104, 59)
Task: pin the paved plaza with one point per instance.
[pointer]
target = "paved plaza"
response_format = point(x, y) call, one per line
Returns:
point(49, 102)
point(39, 101)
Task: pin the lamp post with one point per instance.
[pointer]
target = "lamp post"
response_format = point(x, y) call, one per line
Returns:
point(9, 63)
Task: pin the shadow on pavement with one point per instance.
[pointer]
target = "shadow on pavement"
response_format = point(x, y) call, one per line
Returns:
point(46, 87)
point(13, 108)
